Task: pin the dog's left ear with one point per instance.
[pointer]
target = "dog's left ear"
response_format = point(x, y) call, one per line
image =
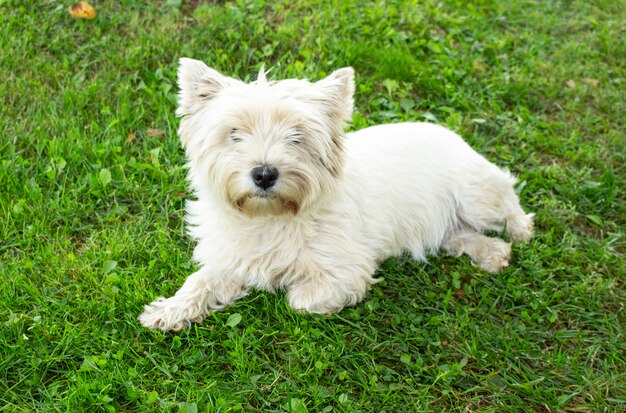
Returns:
point(334, 95)
point(197, 85)
point(337, 93)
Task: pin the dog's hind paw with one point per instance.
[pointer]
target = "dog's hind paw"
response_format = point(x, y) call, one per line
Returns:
point(496, 257)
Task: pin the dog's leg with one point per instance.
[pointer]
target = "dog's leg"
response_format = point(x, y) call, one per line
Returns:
point(329, 292)
point(489, 204)
point(202, 292)
point(491, 254)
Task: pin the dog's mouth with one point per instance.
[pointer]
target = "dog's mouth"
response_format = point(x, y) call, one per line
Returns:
point(266, 203)
point(266, 194)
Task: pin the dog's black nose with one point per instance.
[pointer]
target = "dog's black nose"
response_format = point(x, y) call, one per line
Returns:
point(264, 176)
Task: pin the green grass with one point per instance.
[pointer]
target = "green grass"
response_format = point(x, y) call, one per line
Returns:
point(91, 222)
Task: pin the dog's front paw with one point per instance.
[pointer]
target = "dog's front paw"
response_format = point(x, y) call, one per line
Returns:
point(167, 315)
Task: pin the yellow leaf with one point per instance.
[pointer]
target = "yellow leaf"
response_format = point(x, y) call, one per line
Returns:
point(82, 10)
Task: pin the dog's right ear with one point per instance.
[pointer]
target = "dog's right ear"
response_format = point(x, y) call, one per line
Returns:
point(197, 85)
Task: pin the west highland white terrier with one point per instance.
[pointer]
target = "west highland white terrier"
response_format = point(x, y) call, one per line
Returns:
point(285, 199)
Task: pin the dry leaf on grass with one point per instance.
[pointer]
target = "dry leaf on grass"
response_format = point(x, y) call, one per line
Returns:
point(154, 133)
point(570, 83)
point(82, 10)
point(591, 82)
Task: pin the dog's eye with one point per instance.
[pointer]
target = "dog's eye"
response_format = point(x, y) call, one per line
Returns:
point(296, 138)
point(234, 135)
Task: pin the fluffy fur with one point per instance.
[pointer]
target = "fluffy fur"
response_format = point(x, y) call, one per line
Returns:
point(341, 203)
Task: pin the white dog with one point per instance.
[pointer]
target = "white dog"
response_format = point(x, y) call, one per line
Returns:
point(287, 200)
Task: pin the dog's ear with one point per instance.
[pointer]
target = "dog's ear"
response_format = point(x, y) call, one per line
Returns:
point(337, 91)
point(334, 94)
point(197, 85)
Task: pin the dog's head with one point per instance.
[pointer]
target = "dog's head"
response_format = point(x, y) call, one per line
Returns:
point(265, 148)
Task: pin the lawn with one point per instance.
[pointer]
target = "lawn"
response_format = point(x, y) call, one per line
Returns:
point(92, 192)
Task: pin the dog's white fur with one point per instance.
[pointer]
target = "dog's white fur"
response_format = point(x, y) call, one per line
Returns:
point(342, 202)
